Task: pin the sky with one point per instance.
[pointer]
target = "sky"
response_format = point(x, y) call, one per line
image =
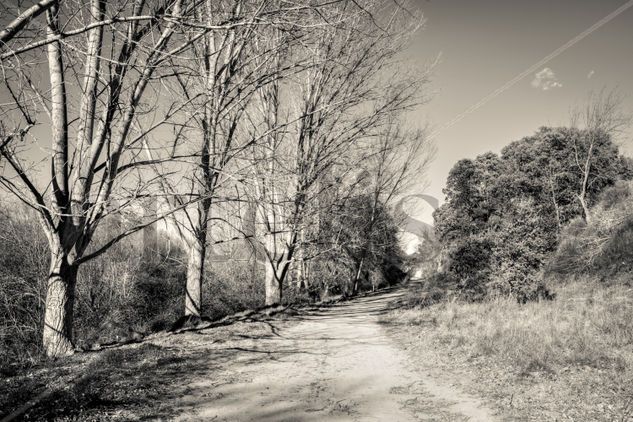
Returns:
point(483, 44)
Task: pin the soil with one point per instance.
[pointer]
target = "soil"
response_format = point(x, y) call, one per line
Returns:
point(334, 364)
point(321, 363)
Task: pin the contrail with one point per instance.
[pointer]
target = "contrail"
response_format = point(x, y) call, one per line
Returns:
point(533, 68)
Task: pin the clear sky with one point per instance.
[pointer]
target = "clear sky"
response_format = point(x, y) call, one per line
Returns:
point(483, 44)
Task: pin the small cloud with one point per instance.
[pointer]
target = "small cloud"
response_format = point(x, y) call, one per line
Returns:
point(590, 74)
point(546, 79)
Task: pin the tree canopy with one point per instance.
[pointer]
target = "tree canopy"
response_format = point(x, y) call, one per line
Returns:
point(504, 213)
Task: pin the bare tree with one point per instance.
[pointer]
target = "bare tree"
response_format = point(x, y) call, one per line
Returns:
point(222, 80)
point(230, 68)
point(345, 96)
point(601, 117)
point(89, 110)
point(395, 161)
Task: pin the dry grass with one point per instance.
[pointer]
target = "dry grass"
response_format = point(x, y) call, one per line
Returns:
point(576, 349)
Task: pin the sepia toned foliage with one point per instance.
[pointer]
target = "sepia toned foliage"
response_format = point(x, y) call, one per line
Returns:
point(504, 214)
point(600, 247)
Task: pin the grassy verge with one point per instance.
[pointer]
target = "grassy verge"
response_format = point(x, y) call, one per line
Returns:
point(567, 359)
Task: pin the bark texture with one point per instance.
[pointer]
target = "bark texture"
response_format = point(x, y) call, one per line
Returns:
point(195, 271)
point(58, 316)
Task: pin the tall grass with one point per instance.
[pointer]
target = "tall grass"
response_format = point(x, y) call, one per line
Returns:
point(585, 326)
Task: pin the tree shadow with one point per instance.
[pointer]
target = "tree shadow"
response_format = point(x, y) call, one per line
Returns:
point(144, 380)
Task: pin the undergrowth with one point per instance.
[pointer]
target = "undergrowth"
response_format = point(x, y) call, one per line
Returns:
point(587, 326)
point(572, 355)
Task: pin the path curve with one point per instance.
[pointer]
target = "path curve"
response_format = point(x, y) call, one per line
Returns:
point(331, 364)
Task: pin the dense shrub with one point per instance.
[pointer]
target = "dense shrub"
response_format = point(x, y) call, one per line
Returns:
point(122, 292)
point(469, 264)
point(503, 213)
point(23, 266)
point(147, 297)
point(417, 298)
point(603, 246)
point(232, 287)
point(328, 277)
point(360, 238)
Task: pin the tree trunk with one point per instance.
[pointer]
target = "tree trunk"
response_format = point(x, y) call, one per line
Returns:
point(60, 299)
point(195, 273)
point(359, 269)
point(326, 291)
point(357, 276)
point(273, 286)
point(585, 208)
point(582, 196)
point(306, 274)
point(300, 272)
point(299, 269)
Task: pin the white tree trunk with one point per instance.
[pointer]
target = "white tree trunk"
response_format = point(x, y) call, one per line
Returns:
point(300, 268)
point(58, 315)
point(357, 275)
point(195, 273)
point(273, 287)
point(585, 208)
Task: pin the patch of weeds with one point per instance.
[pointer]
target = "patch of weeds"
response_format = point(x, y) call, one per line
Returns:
point(568, 354)
point(534, 366)
point(171, 360)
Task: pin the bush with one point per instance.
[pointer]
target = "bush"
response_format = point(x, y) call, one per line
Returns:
point(23, 268)
point(469, 265)
point(499, 224)
point(145, 299)
point(604, 246)
point(437, 288)
point(122, 293)
point(232, 286)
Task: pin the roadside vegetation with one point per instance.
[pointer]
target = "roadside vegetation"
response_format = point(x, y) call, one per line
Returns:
point(566, 359)
point(505, 215)
point(137, 289)
point(528, 291)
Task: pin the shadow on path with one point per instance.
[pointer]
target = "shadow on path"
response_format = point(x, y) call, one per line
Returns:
point(330, 363)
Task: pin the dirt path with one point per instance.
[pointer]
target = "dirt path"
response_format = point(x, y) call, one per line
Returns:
point(333, 364)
